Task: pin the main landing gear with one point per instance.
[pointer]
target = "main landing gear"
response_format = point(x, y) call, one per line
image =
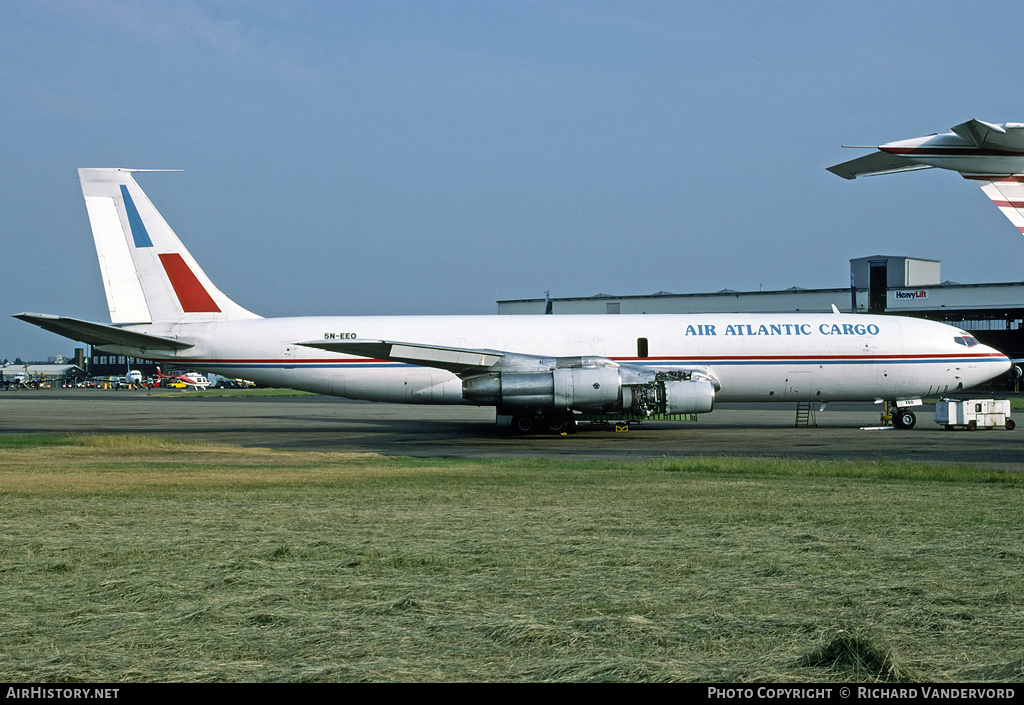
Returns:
point(555, 422)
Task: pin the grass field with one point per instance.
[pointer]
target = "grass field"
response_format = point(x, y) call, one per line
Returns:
point(128, 559)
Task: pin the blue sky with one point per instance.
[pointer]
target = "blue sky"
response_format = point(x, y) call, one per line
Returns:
point(433, 157)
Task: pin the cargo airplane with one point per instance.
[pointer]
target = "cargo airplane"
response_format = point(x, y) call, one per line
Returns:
point(539, 372)
point(992, 155)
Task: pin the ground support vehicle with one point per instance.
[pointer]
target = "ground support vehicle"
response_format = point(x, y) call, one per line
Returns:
point(973, 414)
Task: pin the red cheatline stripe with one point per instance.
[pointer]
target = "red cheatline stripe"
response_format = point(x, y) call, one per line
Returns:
point(949, 152)
point(1009, 204)
point(191, 294)
point(995, 178)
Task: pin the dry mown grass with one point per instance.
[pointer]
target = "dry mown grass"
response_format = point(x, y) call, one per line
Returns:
point(141, 559)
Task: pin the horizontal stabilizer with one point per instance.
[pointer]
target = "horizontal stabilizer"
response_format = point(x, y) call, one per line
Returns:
point(457, 360)
point(986, 135)
point(875, 164)
point(100, 333)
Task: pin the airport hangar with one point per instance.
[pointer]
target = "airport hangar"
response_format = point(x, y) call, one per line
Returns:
point(906, 286)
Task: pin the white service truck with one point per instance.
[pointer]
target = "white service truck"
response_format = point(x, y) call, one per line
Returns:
point(973, 414)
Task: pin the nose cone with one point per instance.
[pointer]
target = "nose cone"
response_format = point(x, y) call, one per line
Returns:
point(991, 363)
point(1003, 361)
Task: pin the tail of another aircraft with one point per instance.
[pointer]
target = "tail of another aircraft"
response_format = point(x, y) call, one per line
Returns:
point(148, 275)
point(1007, 192)
point(992, 155)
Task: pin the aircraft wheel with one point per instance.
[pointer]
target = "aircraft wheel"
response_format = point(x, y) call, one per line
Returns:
point(1010, 424)
point(904, 419)
point(523, 423)
point(558, 423)
point(972, 425)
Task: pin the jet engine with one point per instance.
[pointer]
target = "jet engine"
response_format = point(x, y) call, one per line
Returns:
point(636, 390)
point(670, 392)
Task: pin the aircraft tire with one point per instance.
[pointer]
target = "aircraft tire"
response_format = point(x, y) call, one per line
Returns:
point(558, 422)
point(523, 424)
point(1010, 424)
point(904, 419)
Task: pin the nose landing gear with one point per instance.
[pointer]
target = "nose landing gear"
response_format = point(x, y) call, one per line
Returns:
point(902, 418)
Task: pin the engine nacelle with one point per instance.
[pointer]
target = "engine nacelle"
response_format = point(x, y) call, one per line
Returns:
point(648, 392)
point(644, 392)
point(695, 396)
point(592, 388)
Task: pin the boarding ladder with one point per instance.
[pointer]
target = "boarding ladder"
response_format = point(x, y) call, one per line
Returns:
point(805, 416)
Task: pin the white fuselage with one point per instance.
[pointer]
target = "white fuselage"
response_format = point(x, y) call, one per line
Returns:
point(753, 357)
point(950, 151)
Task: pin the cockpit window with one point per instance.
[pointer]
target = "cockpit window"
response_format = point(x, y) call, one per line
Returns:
point(967, 340)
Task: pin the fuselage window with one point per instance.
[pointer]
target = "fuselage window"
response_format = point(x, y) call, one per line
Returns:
point(641, 347)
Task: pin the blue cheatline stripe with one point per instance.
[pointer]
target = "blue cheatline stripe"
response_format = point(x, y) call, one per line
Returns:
point(139, 233)
point(720, 363)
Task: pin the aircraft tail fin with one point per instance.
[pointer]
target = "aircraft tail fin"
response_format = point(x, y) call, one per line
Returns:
point(148, 275)
point(1007, 192)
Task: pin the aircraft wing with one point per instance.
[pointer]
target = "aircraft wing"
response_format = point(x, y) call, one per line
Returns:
point(466, 363)
point(458, 360)
point(100, 333)
point(875, 164)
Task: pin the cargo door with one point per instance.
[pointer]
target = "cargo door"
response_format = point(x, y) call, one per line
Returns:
point(798, 385)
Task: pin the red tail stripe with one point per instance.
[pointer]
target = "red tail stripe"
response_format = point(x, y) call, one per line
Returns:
point(191, 294)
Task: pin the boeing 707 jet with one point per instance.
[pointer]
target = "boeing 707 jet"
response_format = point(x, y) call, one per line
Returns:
point(539, 372)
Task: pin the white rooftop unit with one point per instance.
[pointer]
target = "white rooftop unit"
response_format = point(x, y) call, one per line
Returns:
point(900, 272)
